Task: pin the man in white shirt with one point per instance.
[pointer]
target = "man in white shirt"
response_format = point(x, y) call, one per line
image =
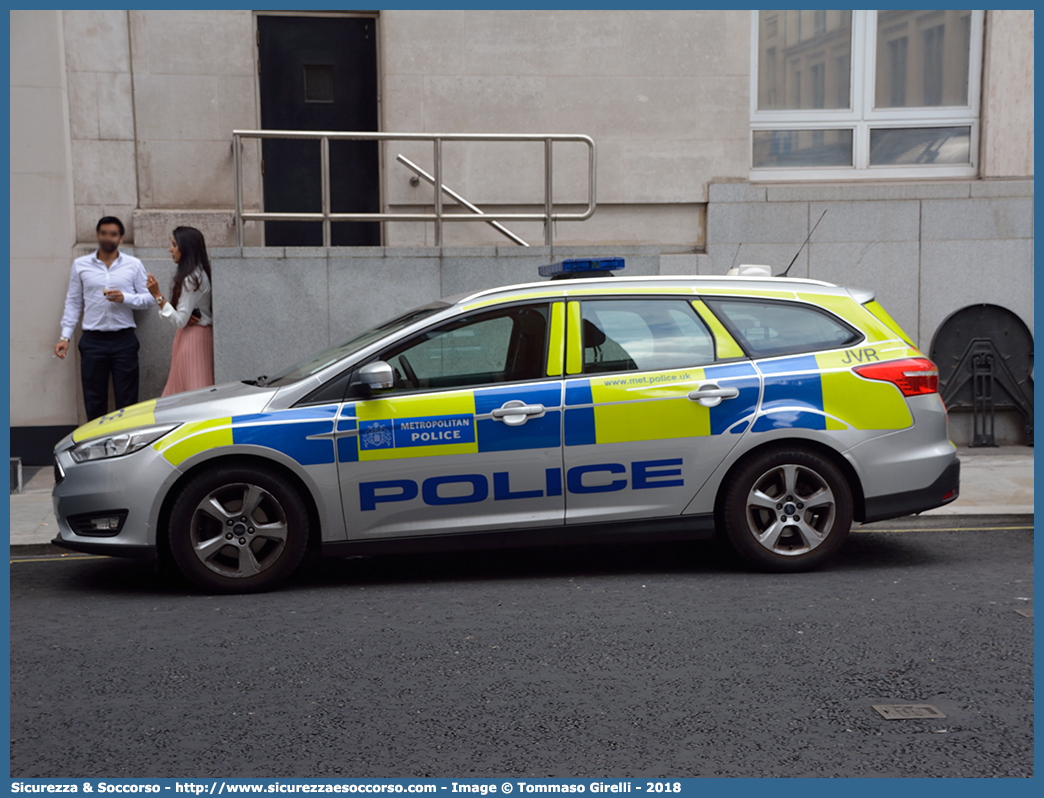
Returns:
point(107, 286)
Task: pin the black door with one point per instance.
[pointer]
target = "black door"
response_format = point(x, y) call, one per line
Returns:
point(319, 73)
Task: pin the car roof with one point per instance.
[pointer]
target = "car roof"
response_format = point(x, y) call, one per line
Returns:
point(598, 285)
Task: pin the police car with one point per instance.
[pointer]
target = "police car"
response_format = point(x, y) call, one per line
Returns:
point(774, 411)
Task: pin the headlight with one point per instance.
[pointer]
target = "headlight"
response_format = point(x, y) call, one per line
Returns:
point(119, 443)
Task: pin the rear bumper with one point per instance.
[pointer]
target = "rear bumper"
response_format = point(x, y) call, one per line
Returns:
point(943, 491)
point(908, 470)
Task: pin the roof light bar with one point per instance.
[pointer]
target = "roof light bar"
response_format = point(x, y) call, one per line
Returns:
point(581, 266)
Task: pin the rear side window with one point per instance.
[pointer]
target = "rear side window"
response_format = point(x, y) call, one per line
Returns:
point(766, 328)
point(643, 335)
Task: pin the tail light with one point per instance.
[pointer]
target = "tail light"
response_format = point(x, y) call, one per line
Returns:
point(913, 376)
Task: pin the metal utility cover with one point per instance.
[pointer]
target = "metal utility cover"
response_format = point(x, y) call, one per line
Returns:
point(1025, 613)
point(907, 711)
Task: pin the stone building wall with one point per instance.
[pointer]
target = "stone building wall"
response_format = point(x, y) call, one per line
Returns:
point(43, 389)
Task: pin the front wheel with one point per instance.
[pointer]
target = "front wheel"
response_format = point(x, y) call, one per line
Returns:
point(787, 509)
point(238, 529)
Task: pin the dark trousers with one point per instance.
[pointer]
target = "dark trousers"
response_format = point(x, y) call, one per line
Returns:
point(102, 354)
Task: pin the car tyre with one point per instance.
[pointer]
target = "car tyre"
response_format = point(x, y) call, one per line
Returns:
point(786, 509)
point(238, 529)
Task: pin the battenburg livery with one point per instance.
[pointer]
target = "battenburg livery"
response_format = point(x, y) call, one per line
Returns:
point(772, 411)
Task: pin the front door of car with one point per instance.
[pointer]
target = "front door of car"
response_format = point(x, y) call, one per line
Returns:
point(468, 438)
point(653, 403)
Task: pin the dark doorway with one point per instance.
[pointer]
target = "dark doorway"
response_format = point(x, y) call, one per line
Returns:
point(319, 73)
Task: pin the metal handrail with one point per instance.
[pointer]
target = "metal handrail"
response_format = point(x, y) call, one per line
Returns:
point(548, 217)
point(460, 200)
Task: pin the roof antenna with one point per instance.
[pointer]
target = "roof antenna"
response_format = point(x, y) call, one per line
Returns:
point(865, 250)
point(736, 255)
point(802, 246)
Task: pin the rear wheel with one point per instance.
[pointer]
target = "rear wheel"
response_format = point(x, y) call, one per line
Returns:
point(238, 529)
point(787, 509)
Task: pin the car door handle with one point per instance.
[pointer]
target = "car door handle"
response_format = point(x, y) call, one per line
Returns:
point(515, 412)
point(710, 395)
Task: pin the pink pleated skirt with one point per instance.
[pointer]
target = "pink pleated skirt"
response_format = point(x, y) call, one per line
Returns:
point(191, 360)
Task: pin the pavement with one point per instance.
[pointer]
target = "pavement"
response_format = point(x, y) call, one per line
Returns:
point(994, 481)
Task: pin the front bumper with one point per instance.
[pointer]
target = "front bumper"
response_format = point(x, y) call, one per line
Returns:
point(134, 483)
point(97, 547)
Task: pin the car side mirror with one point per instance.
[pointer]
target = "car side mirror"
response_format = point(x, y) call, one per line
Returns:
point(377, 376)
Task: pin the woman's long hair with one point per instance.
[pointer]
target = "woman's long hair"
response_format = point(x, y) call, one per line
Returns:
point(193, 257)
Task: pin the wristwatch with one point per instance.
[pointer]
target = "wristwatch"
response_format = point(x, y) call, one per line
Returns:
point(63, 338)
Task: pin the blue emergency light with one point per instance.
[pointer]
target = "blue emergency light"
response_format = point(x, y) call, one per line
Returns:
point(581, 267)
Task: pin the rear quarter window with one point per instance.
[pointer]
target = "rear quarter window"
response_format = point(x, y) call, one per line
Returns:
point(766, 328)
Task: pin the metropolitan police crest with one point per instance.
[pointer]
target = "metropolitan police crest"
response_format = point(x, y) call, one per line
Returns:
point(376, 435)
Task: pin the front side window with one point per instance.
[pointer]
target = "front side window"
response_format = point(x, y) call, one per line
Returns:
point(504, 345)
point(848, 94)
point(357, 343)
point(643, 335)
point(767, 329)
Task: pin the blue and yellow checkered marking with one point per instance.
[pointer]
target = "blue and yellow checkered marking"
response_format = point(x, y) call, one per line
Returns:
point(544, 432)
point(309, 435)
point(286, 431)
point(289, 432)
point(377, 421)
point(579, 421)
point(389, 429)
point(821, 392)
point(139, 415)
point(816, 392)
point(193, 438)
point(791, 400)
point(635, 407)
point(733, 415)
point(655, 406)
point(348, 447)
point(850, 400)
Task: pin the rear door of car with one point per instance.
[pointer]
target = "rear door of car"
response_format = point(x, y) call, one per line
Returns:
point(470, 437)
point(657, 393)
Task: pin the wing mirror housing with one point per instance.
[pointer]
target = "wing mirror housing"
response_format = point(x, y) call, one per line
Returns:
point(377, 376)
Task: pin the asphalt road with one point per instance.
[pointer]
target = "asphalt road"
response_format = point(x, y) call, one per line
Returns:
point(655, 660)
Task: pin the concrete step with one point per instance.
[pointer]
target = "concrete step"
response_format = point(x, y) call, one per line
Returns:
point(16, 475)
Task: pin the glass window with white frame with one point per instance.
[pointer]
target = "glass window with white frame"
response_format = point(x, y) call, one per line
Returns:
point(865, 94)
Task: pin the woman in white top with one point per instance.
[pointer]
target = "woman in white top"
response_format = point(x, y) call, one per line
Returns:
point(189, 309)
